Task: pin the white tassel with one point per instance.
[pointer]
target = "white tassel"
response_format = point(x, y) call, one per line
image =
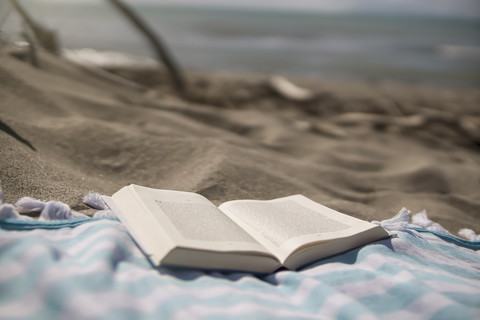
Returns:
point(105, 214)
point(51, 210)
point(469, 234)
point(7, 211)
point(421, 220)
point(94, 200)
point(27, 205)
point(398, 223)
point(55, 210)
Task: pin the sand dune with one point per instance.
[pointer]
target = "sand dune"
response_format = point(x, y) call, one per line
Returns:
point(66, 132)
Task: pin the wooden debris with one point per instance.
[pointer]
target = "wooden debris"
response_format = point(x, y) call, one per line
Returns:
point(32, 52)
point(289, 90)
point(160, 48)
point(468, 126)
point(328, 129)
point(45, 37)
point(111, 77)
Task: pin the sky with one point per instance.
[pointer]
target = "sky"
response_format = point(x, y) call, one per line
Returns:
point(434, 7)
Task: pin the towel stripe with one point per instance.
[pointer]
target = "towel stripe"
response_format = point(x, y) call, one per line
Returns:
point(93, 270)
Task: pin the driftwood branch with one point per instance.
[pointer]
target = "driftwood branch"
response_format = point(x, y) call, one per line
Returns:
point(469, 126)
point(32, 50)
point(46, 38)
point(288, 90)
point(160, 49)
point(6, 12)
point(110, 77)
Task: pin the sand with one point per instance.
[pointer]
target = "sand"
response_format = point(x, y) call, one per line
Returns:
point(364, 148)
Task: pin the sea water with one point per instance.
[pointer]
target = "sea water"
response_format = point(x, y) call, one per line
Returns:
point(407, 48)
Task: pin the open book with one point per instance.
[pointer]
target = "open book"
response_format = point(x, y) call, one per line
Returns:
point(176, 228)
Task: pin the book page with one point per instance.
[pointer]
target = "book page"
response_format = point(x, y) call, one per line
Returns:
point(194, 222)
point(283, 225)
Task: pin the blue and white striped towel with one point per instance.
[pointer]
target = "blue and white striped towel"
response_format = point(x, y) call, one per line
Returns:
point(90, 268)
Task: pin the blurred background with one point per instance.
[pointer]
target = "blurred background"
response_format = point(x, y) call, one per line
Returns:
point(429, 41)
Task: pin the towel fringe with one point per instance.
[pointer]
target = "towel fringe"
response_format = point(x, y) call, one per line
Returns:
point(27, 205)
point(105, 214)
point(421, 220)
point(399, 222)
point(54, 210)
point(469, 234)
point(95, 201)
point(7, 211)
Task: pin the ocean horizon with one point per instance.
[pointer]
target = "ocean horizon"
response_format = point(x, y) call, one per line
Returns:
point(404, 48)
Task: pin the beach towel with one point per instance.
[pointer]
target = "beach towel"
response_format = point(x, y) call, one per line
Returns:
point(66, 265)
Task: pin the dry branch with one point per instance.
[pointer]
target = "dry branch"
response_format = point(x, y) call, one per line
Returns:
point(32, 50)
point(46, 38)
point(468, 126)
point(157, 44)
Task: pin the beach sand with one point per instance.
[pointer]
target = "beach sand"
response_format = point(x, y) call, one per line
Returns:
point(365, 149)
